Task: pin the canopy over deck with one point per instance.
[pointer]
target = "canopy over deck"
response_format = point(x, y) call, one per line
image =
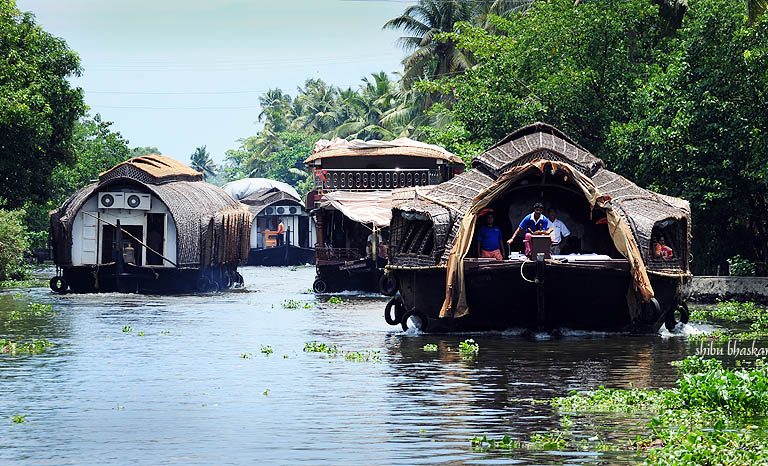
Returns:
point(373, 207)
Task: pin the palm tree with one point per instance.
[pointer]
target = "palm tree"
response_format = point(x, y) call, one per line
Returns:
point(422, 22)
point(202, 162)
point(276, 109)
point(318, 105)
point(365, 109)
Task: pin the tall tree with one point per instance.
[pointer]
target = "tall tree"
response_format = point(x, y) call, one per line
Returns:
point(276, 109)
point(202, 162)
point(38, 106)
point(430, 58)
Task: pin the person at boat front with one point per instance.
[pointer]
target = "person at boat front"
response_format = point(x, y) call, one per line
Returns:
point(490, 242)
point(280, 233)
point(560, 232)
point(534, 223)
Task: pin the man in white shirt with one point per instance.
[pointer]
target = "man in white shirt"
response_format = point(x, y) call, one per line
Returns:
point(560, 232)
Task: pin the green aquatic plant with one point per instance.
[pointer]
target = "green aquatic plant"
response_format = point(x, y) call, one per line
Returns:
point(706, 419)
point(165, 332)
point(315, 347)
point(550, 441)
point(265, 392)
point(335, 300)
point(266, 350)
point(364, 356)
point(469, 347)
point(246, 355)
point(127, 329)
point(32, 283)
point(32, 310)
point(33, 346)
point(141, 334)
point(430, 347)
point(730, 312)
point(19, 418)
point(295, 304)
point(486, 444)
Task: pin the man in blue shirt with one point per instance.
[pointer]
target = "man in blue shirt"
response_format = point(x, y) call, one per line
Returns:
point(533, 223)
point(489, 240)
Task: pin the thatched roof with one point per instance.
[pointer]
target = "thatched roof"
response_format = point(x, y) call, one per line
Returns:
point(398, 147)
point(211, 226)
point(524, 145)
point(153, 169)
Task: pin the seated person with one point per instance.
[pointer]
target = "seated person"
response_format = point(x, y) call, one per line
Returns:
point(534, 223)
point(489, 239)
point(560, 232)
point(661, 250)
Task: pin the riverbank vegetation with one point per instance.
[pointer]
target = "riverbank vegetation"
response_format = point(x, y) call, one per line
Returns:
point(712, 416)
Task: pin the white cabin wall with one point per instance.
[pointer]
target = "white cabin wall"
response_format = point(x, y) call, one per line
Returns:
point(126, 217)
point(256, 237)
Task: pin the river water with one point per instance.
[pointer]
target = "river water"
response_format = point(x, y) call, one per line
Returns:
point(153, 380)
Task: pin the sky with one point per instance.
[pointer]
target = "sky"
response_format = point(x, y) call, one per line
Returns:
point(178, 74)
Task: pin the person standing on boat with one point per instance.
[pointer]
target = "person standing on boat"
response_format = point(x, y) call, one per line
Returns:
point(534, 223)
point(280, 232)
point(490, 242)
point(560, 232)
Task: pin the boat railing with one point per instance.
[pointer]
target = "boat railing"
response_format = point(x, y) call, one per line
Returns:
point(324, 254)
point(374, 179)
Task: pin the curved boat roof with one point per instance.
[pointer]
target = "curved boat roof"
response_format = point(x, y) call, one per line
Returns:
point(241, 190)
point(398, 147)
point(152, 169)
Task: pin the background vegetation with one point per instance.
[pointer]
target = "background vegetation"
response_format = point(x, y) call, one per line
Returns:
point(671, 94)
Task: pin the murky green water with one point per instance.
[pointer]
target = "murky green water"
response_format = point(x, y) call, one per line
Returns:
point(183, 393)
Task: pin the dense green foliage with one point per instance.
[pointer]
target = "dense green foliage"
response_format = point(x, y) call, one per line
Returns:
point(38, 106)
point(13, 244)
point(202, 162)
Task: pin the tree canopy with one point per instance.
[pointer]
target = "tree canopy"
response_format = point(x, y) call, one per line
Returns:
point(38, 106)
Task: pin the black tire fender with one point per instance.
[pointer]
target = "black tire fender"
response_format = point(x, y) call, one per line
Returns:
point(203, 284)
point(388, 284)
point(420, 316)
point(58, 284)
point(685, 315)
point(398, 305)
point(319, 286)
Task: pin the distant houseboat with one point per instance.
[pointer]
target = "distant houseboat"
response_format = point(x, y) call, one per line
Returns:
point(614, 277)
point(351, 203)
point(149, 224)
point(282, 232)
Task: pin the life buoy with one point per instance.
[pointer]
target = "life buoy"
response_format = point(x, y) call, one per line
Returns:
point(420, 321)
point(58, 284)
point(319, 286)
point(398, 305)
point(388, 284)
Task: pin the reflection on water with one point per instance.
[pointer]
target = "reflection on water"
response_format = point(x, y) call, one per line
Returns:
point(182, 393)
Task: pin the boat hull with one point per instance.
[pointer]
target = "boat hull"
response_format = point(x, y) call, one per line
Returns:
point(285, 255)
point(359, 275)
point(150, 280)
point(503, 295)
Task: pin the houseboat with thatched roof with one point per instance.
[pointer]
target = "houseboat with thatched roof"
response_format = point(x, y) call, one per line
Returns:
point(625, 270)
point(282, 232)
point(351, 203)
point(150, 224)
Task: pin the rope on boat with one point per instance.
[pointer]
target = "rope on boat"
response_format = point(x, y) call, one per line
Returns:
point(521, 271)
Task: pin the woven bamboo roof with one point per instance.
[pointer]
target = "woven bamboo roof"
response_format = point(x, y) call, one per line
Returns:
point(399, 147)
point(153, 169)
point(524, 144)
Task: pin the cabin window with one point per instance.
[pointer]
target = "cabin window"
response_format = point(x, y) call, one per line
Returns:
point(416, 237)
